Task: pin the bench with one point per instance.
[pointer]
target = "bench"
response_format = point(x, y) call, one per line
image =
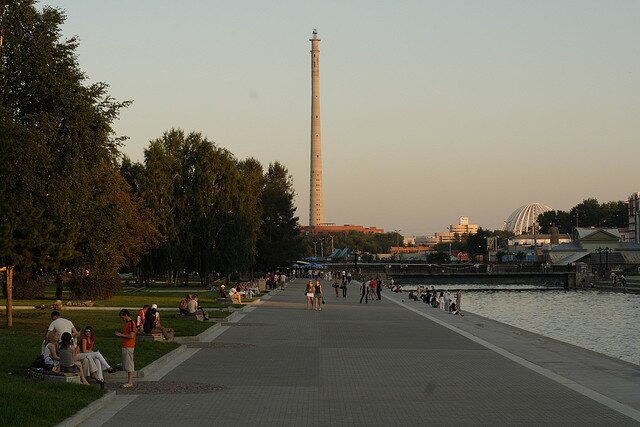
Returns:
point(150, 337)
point(59, 377)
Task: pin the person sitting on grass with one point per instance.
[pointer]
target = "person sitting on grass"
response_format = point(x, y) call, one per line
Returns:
point(184, 305)
point(86, 347)
point(140, 318)
point(68, 360)
point(50, 353)
point(223, 292)
point(236, 298)
point(192, 304)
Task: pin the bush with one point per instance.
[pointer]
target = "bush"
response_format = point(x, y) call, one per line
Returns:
point(27, 285)
point(93, 287)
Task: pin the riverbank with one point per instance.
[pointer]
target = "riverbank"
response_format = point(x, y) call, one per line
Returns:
point(378, 364)
point(607, 379)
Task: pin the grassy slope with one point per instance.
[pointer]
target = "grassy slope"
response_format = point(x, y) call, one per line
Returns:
point(25, 401)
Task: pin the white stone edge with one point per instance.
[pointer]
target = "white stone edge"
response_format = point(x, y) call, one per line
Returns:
point(86, 412)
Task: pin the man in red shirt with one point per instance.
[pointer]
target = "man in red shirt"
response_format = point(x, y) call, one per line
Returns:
point(128, 336)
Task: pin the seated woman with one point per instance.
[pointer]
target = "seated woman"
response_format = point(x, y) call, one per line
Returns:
point(223, 292)
point(68, 359)
point(86, 347)
point(50, 352)
point(236, 297)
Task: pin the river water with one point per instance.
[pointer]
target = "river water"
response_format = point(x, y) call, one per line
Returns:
point(605, 322)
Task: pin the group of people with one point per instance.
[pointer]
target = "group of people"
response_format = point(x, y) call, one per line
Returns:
point(65, 349)
point(237, 291)
point(148, 321)
point(315, 295)
point(275, 279)
point(190, 306)
point(441, 299)
point(340, 281)
point(371, 289)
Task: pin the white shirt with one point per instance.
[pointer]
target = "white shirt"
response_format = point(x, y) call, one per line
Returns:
point(61, 325)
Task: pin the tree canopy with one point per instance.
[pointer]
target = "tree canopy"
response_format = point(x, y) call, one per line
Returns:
point(58, 147)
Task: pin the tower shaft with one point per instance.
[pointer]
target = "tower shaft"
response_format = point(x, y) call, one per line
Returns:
point(316, 206)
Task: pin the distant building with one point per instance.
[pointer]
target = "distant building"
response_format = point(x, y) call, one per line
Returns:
point(456, 231)
point(539, 239)
point(521, 220)
point(409, 249)
point(602, 247)
point(409, 241)
point(633, 203)
point(330, 228)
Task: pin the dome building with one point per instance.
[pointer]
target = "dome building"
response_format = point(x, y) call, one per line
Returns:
point(521, 220)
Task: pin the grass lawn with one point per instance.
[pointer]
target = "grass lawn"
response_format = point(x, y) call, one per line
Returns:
point(25, 401)
point(138, 299)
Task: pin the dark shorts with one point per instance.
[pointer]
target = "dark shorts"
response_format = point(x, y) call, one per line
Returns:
point(73, 368)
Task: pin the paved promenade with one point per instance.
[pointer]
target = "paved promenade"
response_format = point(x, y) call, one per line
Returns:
point(383, 363)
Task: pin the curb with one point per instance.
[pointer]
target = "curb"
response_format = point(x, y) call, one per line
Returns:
point(86, 412)
point(159, 363)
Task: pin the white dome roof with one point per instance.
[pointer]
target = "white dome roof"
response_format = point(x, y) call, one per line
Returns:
point(520, 221)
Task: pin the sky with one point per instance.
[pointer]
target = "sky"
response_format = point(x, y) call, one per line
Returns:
point(430, 110)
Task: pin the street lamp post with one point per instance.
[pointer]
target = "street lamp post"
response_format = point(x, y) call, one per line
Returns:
point(315, 251)
point(321, 248)
point(331, 236)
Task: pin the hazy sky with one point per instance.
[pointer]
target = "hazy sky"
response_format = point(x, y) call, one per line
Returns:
point(429, 110)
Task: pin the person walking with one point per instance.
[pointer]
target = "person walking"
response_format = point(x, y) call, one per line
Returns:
point(128, 344)
point(379, 288)
point(344, 288)
point(318, 295)
point(309, 294)
point(365, 293)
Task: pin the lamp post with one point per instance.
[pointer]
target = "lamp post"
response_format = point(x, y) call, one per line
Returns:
point(606, 258)
point(599, 250)
point(315, 251)
point(321, 248)
point(331, 236)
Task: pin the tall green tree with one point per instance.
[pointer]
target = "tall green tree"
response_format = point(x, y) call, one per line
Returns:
point(56, 134)
point(280, 241)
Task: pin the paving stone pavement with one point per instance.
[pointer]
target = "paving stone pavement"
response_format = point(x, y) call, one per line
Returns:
point(354, 364)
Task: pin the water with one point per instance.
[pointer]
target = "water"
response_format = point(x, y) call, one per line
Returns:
point(604, 322)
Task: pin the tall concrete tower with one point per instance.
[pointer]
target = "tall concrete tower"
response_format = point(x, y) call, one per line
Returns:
point(316, 207)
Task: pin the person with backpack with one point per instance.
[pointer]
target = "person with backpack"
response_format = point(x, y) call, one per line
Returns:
point(128, 344)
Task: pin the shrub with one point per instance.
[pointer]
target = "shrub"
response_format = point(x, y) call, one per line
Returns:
point(93, 287)
point(27, 285)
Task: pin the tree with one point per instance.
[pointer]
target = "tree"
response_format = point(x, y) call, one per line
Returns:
point(561, 219)
point(57, 134)
point(279, 242)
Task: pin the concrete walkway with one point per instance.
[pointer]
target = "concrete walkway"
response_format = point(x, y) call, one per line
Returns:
point(384, 363)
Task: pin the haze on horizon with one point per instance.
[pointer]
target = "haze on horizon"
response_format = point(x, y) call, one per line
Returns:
point(430, 110)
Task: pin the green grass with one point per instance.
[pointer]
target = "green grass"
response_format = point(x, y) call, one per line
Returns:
point(138, 299)
point(25, 401)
